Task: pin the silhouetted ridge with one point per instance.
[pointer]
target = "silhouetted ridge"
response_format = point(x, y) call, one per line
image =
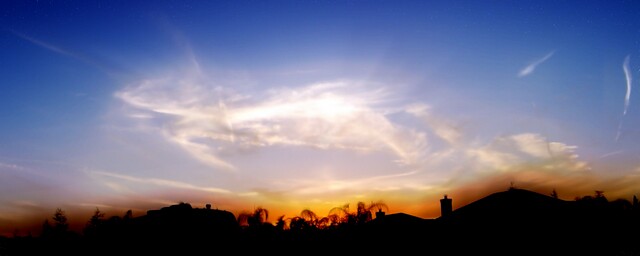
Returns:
point(513, 204)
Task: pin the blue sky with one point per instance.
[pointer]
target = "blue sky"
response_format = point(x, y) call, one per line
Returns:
point(312, 104)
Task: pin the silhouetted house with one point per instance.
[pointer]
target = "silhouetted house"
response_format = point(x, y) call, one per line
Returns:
point(380, 214)
point(542, 224)
point(511, 206)
point(181, 222)
point(446, 206)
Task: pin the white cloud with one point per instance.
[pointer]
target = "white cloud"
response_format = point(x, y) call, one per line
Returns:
point(508, 153)
point(11, 166)
point(209, 121)
point(212, 122)
point(528, 70)
point(627, 96)
point(381, 182)
point(444, 129)
point(627, 75)
point(44, 45)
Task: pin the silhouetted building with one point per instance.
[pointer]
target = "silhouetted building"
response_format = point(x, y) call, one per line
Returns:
point(208, 206)
point(446, 207)
point(379, 214)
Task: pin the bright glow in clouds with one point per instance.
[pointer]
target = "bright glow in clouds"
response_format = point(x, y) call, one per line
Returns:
point(211, 121)
point(208, 122)
point(528, 70)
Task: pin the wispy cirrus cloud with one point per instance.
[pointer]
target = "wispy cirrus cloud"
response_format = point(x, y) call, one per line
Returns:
point(210, 121)
point(627, 96)
point(11, 166)
point(528, 70)
point(628, 78)
point(101, 64)
point(47, 46)
point(160, 182)
point(526, 150)
point(216, 124)
point(444, 129)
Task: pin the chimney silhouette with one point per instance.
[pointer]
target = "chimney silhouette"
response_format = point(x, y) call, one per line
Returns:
point(445, 206)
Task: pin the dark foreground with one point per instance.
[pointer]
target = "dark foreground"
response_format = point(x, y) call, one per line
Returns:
point(514, 222)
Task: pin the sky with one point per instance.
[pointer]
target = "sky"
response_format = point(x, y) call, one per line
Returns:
point(292, 105)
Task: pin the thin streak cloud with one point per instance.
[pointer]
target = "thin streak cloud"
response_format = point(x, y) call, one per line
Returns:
point(627, 96)
point(528, 70)
point(47, 46)
point(101, 64)
point(317, 187)
point(612, 154)
point(627, 76)
point(162, 182)
point(10, 166)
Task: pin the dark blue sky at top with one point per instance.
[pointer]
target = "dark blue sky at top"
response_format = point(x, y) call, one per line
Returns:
point(109, 41)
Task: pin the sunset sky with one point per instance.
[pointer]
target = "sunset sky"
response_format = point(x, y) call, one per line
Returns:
point(293, 105)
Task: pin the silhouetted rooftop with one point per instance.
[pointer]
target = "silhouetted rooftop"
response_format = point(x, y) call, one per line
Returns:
point(513, 203)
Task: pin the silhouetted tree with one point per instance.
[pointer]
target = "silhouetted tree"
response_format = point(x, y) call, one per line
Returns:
point(554, 194)
point(60, 221)
point(324, 222)
point(96, 220)
point(253, 219)
point(378, 206)
point(299, 224)
point(309, 216)
point(313, 220)
point(128, 215)
point(47, 229)
point(363, 214)
point(340, 215)
point(281, 224)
